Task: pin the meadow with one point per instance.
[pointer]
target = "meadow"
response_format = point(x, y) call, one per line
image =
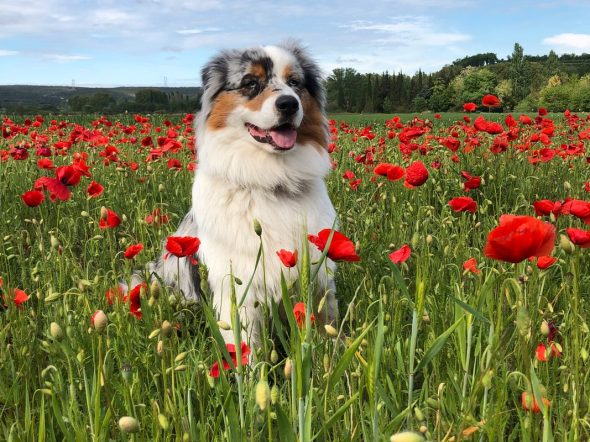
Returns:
point(447, 328)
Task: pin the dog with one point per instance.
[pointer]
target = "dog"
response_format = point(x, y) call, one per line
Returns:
point(262, 140)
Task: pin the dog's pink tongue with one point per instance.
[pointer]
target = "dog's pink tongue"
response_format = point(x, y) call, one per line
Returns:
point(284, 137)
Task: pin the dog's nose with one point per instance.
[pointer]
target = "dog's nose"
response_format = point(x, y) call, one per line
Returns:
point(287, 104)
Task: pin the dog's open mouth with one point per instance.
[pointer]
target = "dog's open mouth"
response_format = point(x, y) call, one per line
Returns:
point(281, 137)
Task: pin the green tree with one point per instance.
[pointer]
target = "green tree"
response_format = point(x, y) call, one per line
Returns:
point(519, 74)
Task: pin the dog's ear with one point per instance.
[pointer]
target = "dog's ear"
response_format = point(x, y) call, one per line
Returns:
point(314, 83)
point(214, 76)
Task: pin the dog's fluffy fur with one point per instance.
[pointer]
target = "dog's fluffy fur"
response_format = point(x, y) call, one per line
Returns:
point(249, 169)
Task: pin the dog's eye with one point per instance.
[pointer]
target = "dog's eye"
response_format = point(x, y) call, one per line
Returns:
point(250, 84)
point(293, 82)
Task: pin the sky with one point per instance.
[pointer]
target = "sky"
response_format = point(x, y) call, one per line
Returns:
point(167, 42)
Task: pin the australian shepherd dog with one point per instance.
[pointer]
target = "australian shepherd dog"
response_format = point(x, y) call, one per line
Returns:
point(262, 153)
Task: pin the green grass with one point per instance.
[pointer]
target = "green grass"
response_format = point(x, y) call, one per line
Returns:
point(422, 345)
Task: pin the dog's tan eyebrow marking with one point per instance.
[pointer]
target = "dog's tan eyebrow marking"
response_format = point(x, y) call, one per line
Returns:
point(258, 70)
point(222, 107)
point(313, 129)
point(288, 72)
point(256, 103)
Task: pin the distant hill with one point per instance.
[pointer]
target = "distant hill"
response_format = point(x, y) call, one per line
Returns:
point(56, 97)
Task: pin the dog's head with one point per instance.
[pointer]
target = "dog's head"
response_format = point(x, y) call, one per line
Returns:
point(270, 97)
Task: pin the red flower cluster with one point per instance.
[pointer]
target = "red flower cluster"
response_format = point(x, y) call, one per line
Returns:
point(341, 248)
point(231, 348)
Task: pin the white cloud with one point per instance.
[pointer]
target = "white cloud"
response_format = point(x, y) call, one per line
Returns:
point(408, 31)
point(7, 53)
point(197, 31)
point(64, 58)
point(569, 42)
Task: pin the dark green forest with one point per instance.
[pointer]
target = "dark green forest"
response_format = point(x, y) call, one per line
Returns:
point(522, 82)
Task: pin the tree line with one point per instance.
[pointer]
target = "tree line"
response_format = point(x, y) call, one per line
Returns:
point(522, 82)
point(145, 100)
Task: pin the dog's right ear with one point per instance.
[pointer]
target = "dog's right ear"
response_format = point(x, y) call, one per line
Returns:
point(214, 76)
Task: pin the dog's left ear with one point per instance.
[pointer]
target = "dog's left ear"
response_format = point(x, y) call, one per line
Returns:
point(314, 82)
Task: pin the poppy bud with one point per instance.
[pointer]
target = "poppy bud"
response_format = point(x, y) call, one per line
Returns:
point(418, 413)
point(128, 424)
point(180, 357)
point(166, 328)
point(274, 394)
point(262, 394)
point(99, 320)
point(160, 348)
point(274, 356)
point(155, 289)
point(567, 186)
point(163, 421)
point(331, 331)
point(54, 242)
point(288, 367)
point(566, 245)
point(423, 429)
point(223, 325)
point(326, 362)
point(161, 188)
point(406, 436)
point(154, 333)
point(257, 227)
point(103, 212)
point(428, 239)
point(55, 331)
point(545, 328)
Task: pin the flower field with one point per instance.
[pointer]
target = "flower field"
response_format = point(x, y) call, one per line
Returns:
point(463, 285)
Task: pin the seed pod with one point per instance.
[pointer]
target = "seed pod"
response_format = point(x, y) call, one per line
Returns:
point(128, 424)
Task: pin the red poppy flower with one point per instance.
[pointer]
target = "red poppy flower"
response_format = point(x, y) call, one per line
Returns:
point(94, 189)
point(183, 246)
point(33, 198)
point(19, 297)
point(544, 262)
point(400, 255)
point(134, 299)
point(547, 207)
point(231, 348)
point(490, 101)
point(579, 237)
point(518, 238)
point(541, 353)
point(578, 208)
point(530, 404)
point(157, 218)
point(68, 175)
point(299, 313)
point(463, 204)
point(587, 186)
point(471, 266)
point(469, 107)
point(542, 111)
point(113, 294)
point(133, 250)
point(174, 163)
point(111, 220)
point(45, 163)
point(472, 181)
point(341, 248)
point(391, 171)
point(289, 259)
point(416, 174)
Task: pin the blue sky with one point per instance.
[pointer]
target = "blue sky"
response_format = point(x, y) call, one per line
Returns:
point(153, 42)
